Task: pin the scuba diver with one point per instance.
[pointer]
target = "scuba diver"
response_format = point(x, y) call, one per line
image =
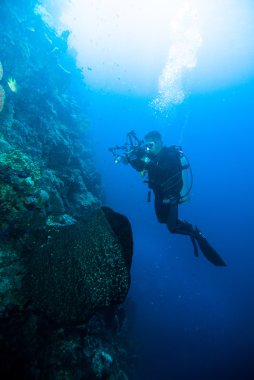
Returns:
point(165, 168)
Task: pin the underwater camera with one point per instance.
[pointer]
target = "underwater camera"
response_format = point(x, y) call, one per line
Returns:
point(132, 150)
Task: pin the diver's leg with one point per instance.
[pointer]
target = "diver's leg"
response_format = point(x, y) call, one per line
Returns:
point(178, 226)
point(161, 209)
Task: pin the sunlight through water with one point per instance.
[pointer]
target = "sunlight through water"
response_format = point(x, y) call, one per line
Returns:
point(163, 50)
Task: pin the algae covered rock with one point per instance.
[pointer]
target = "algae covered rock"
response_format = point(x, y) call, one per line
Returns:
point(19, 193)
point(75, 270)
point(46, 157)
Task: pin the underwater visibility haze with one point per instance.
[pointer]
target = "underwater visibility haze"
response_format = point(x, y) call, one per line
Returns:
point(185, 69)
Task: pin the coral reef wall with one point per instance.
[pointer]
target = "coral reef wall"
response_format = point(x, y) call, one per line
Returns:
point(64, 260)
point(44, 135)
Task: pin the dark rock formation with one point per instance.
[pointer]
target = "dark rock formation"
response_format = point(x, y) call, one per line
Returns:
point(75, 270)
point(49, 297)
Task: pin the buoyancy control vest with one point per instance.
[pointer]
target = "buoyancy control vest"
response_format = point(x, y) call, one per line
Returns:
point(170, 175)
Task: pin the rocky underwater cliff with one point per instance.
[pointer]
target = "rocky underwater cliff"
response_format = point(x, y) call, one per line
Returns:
point(64, 259)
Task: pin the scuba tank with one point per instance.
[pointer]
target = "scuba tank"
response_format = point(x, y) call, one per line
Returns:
point(186, 177)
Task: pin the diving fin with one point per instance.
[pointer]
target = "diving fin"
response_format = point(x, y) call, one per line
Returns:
point(208, 251)
point(194, 246)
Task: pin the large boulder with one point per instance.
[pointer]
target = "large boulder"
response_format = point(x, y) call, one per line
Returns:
point(76, 270)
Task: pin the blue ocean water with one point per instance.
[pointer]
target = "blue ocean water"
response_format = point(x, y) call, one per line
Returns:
point(193, 320)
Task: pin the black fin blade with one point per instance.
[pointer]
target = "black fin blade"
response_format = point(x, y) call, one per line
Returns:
point(209, 252)
point(194, 246)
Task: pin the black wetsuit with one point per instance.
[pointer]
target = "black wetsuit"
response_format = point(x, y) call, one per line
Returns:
point(165, 179)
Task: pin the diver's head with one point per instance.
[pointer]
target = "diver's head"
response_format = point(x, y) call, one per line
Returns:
point(153, 142)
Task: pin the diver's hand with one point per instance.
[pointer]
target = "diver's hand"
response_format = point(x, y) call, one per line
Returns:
point(166, 201)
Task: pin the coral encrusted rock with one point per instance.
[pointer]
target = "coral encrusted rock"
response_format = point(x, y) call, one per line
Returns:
point(76, 270)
